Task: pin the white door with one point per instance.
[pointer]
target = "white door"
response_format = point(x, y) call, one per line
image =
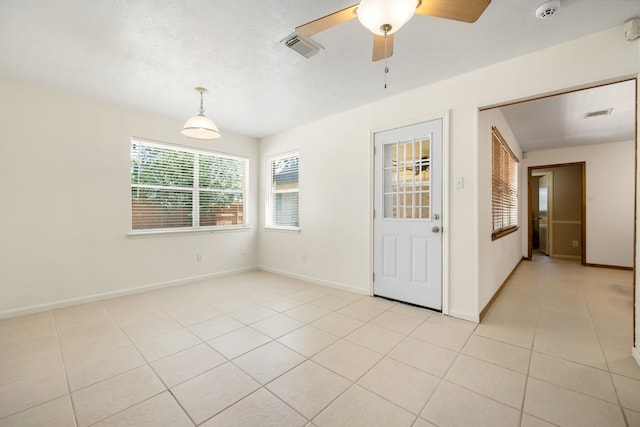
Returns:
point(408, 214)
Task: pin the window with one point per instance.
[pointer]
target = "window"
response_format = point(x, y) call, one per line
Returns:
point(282, 209)
point(180, 188)
point(504, 187)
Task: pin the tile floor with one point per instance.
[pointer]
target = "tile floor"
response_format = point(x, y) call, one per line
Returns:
point(259, 349)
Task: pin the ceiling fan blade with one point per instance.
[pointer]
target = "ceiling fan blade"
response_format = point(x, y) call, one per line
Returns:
point(458, 10)
point(326, 22)
point(379, 47)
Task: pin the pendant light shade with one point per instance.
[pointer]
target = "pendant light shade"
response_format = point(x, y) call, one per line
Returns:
point(200, 126)
point(384, 17)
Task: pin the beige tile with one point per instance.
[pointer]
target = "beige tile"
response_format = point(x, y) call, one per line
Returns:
point(507, 331)
point(233, 304)
point(418, 313)
point(308, 388)
point(155, 327)
point(359, 407)
point(268, 362)
point(366, 308)
point(347, 359)
point(425, 356)
point(633, 418)
point(311, 294)
point(32, 364)
point(580, 349)
point(277, 326)
point(501, 384)
point(57, 412)
point(444, 336)
point(396, 322)
point(187, 364)
point(308, 340)
point(628, 391)
point(403, 385)
point(564, 407)
point(159, 411)
point(252, 314)
point(193, 313)
point(164, 345)
point(506, 355)
point(452, 322)
point(338, 324)
point(531, 421)
point(281, 303)
point(423, 423)
point(452, 405)
point(215, 327)
point(238, 342)
point(375, 338)
point(581, 378)
point(136, 316)
point(84, 372)
point(94, 346)
point(307, 312)
point(258, 409)
point(332, 302)
point(104, 399)
point(207, 394)
point(32, 390)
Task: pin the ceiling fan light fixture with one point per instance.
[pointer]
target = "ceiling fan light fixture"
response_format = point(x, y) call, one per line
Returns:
point(384, 17)
point(200, 126)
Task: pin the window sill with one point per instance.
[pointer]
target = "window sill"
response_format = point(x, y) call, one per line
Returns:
point(282, 229)
point(501, 233)
point(160, 233)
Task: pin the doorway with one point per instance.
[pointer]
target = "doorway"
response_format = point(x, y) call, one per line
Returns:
point(408, 214)
point(557, 211)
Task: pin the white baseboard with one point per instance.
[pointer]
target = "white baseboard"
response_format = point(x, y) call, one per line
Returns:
point(464, 316)
point(106, 295)
point(635, 352)
point(317, 281)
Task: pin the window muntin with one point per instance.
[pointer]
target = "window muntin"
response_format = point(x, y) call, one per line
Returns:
point(407, 180)
point(504, 187)
point(175, 188)
point(282, 209)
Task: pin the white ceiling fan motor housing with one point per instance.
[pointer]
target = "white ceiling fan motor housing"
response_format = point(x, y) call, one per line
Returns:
point(547, 9)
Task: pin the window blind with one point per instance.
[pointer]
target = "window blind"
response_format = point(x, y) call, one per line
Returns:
point(283, 191)
point(504, 187)
point(175, 188)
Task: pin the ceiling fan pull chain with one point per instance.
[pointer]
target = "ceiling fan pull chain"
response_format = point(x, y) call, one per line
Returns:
point(386, 58)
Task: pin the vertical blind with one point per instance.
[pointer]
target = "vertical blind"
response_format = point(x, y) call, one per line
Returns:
point(504, 187)
point(283, 191)
point(173, 187)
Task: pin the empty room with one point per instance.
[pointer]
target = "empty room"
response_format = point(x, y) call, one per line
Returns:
point(390, 213)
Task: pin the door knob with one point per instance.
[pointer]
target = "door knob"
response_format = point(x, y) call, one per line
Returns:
point(436, 229)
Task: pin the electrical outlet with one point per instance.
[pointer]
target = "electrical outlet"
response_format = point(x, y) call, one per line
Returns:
point(199, 257)
point(575, 243)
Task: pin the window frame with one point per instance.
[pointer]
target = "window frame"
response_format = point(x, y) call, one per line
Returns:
point(504, 187)
point(269, 208)
point(195, 189)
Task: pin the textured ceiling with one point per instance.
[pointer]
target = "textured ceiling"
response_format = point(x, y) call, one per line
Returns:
point(561, 120)
point(150, 54)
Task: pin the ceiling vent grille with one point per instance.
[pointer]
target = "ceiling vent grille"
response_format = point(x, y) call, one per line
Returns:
point(598, 113)
point(301, 44)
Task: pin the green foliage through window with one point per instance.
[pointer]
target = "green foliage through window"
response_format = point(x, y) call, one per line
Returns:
point(174, 187)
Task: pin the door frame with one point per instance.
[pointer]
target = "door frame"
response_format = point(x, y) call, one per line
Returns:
point(444, 116)
point(583, 208)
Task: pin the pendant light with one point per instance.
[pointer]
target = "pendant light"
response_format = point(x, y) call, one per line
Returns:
point(200, 126)
point(385, 17)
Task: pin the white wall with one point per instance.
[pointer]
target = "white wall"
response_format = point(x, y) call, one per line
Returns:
point(497, 258)
point(64, 165)
point(610, 187)
point(336, 163)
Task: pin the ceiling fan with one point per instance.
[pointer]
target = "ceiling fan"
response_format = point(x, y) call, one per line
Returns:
point(384, 17)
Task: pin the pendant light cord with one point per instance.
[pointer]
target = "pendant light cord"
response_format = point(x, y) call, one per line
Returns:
point(386, 60)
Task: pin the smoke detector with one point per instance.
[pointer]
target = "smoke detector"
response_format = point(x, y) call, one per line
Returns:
point(547, 9)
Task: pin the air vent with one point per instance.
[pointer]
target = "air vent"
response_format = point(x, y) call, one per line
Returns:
point(301, 44)
point(598, 113)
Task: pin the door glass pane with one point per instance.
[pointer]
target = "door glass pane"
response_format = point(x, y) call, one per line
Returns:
point(407, 182)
